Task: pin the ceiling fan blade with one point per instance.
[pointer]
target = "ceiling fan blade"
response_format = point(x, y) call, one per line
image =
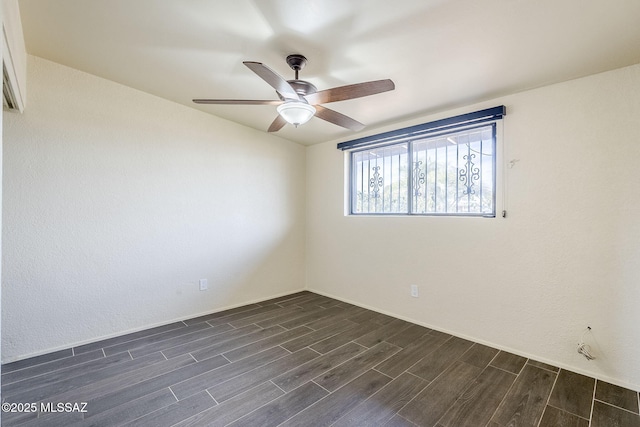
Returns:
point(238, 101)
point(343, 93)
point(274, 79)
point(337, 118)
point(277, 124)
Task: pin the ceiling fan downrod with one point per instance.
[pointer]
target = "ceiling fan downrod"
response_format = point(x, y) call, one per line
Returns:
point(296, 62)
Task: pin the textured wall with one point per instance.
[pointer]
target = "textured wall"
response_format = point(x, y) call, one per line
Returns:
point(564, 258)
point(116, 203)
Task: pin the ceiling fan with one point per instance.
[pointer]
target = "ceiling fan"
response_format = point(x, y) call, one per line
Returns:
point(300, 100)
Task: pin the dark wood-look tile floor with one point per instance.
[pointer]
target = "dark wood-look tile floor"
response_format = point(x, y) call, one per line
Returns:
point(303, 360)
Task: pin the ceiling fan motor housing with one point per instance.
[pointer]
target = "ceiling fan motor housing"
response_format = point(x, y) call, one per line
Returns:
point(296, 62)
point(301, 87)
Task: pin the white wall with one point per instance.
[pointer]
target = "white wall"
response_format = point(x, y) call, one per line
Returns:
point(116, 202)
point(564, 258)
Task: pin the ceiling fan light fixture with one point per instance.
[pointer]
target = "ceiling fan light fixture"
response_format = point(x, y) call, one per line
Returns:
point(296, 112)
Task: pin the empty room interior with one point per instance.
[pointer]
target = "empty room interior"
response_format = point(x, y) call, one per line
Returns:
point(320, 213)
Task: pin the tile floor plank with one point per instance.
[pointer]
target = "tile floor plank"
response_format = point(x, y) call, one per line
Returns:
point(61, 419)
point(321, 313)
point(300, 313)
point(335, 341)
point(319, 301)
point(369, 316)
point(10, 419)
point(202, 343)
point(524, 403)
point(384, 404)
point(316, 367)
point(36, 360)
point(125, 378)
point(605, 415)
point(72, 382)
point(441, 334)
point(354, 367)
point(289, 297)
point(409, 355)
point(479, 355)
point(554, 417)
point(231, 410)
point(130, 410)
point(478, 403)
point(205, 333)
point(210, 378)
point(176, 412)
point(281, 409)
point(317, 335)
point(398, 421)
point(406, 336)
point(509, 362)
point(436, 399)
point(432, 365)
point(46, 368)
point(380, 334)
point(265, 343)
point(543, 365)
point(335, 405)
point(617, 396)
point(127, 338)
point(153, 339)
point(337, 319)
point(283, 314)
point(244, 314)
point(248, 380)
point(128, 394)
point(232, 344)
point(573, 393)
point(71, 372)
point(331, 303)
point(297, 301)
point(221, 314)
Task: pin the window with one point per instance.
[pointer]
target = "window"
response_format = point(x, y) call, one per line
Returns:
point(379, 180)
point(446, 167)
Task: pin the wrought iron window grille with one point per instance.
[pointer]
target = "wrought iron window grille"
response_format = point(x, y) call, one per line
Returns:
point(438, 168)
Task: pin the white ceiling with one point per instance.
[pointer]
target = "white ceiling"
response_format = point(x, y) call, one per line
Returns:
point(440, 53)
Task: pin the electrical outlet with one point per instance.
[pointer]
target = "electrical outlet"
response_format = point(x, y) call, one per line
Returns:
point(414, 291)
point(204, 284)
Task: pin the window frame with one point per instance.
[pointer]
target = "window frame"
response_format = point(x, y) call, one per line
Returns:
point(409, 136)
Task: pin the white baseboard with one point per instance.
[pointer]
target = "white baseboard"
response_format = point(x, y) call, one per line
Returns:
point(538, 358)
point(153, 325)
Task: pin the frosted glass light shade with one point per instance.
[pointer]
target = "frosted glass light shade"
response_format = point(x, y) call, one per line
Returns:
point(296, 112)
